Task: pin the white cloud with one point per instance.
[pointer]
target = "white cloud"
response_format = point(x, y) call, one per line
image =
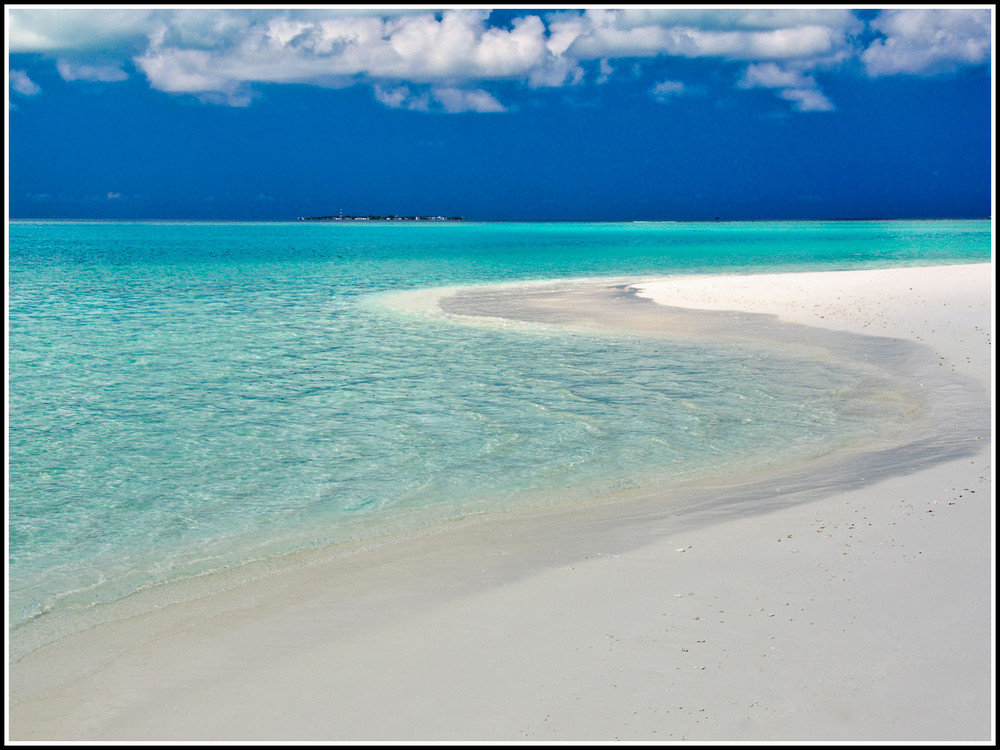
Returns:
point(399, 97)
point(928, 41)
point(50, 29)
point(666, 90)
point(555, 71)
point(447, 60)
point(793, 85)
point(733, 18)
point(727, 34)
point(459, 100)
point(184, 70)
point(437, 98)
point(606, 71)
point(19, 82)
point(772, 76)
point(419, 48)
point(76, 71)
point(512, 52)
point(807, 100)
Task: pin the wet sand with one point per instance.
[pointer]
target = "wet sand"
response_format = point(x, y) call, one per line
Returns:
point(848, 599)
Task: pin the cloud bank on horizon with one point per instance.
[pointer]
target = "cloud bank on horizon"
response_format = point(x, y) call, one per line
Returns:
point(455, 60)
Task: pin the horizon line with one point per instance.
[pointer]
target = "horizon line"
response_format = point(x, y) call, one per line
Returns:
point(466, 220)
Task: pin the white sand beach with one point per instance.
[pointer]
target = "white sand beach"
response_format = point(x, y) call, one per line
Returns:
point(858, 607)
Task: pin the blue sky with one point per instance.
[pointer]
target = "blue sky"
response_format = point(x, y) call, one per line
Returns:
point(635, 112)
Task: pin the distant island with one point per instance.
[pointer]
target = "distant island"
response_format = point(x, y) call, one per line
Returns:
point(349, 217)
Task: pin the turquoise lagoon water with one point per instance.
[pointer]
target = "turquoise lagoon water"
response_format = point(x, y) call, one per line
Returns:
point(186, 397)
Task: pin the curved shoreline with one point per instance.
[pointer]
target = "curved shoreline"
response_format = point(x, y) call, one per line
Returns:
point(275, 633)
point(613, 306)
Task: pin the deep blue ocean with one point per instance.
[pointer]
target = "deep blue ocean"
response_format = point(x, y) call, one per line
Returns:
point(186, 397)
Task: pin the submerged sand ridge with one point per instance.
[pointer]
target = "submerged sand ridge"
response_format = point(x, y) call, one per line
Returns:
point(787, 319)
point(857, 608)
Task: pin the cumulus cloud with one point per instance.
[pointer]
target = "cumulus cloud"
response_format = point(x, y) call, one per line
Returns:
point(928, 41)
point(448, 60)
point(19, 82)
point(729, 19)
point(457, 47)
point(733, 34)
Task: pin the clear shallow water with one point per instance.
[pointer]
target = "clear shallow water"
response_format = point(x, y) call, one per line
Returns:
point(185, 397)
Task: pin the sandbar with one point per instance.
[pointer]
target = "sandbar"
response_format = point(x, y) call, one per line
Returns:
point(847, 600)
